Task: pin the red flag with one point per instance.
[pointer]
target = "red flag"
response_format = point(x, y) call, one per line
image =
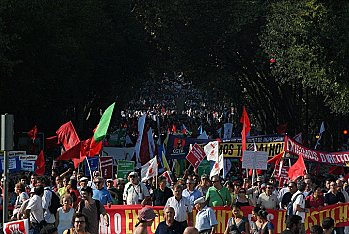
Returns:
point(90, 147)
point(51, 142)
point(276, 159)
point(67, 135)
point(297, 169)
point(246, 127)
point(73, 152)
point(144, 150)
point(40, 164)
point(174, 128)
point(32, 133)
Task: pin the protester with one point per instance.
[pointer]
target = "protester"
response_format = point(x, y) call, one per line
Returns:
point(316, 229)
point(293, 224)
point(58, 184)
point(113, 191)
point(237, 224)
point(333, 196)
point(162, 193)
point(72, 190)
point(79, 225)
point(82, 183)
point(206, 221)
point(191, 230)
point(256, 223)
point(268, 200)
point(22, 196)
point(242, 199)
point(101, 193)
point(191, 192)
point(120, 187)
point(34, 211)
point(315, 200)
point(182, 206)
point(169, 225)
point(204, 184)
point(64, 214)
point(217, 195)
point(267, 226)
point(22, 210)
point(298, 204)
point(135, 191)
point(92, 209)
point(145, 219)
point(328, 225)
point(63, 189)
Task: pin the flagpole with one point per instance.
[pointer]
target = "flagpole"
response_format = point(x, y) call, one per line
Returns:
point(89, 167)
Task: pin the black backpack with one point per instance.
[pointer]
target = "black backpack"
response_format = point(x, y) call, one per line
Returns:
point(289, 210)
point(55, 202)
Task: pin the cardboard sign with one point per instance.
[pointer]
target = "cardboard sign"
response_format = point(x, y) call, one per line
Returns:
point(18, 227)
point(196, 155)
point(255, 160)
point(124, 167)
point(107, 167)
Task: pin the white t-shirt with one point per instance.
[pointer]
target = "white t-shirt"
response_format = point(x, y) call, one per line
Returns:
point(300, 200)
point(35, 207)
point(134, 194)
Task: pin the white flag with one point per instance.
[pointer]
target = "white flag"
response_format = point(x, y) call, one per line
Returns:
point(218, 166)
point(211, 150)
point(150, 169)
point(228, 130)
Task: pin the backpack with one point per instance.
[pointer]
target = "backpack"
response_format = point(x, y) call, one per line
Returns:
point(55, 202)
point(289, 210)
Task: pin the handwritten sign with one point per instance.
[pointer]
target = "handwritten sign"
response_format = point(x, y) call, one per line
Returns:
point(255, 160)
point(196, 155)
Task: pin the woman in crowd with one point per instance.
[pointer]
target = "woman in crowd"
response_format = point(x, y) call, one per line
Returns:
point(64, 214)
point(256, 224)
point(267, 227)
point(242, 199)
point(316, 199)
point(237, 224)
point(79, 225)
point(145, 219)
point(21, 197)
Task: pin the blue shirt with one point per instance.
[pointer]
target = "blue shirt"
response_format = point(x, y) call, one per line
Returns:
point(192, 196)
point(163, 228)
point(205, 219)
point(102, 195)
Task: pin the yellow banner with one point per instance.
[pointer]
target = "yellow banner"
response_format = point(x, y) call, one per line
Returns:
point(234, 150)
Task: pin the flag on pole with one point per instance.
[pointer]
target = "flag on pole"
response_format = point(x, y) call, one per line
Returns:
point(103, 125)
point(298, 138)
point(246, 127)
point(217, 166)
point(40, 164)
point(150, 169)
point(67, 135)
point(211, 150)
point(151, 143)
point(167, 175)
point(228, 130)
point(141, 122)
point(297, 169)
point(322, 129)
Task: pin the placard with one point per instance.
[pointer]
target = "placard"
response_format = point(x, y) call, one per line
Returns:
point(124, 167)
point(196, 155)
point(255, 160)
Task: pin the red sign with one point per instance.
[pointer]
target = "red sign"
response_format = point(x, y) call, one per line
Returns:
point(196, 155)
point(124, 218)
point(17, 227)
point(281, 176)
point(107, 167)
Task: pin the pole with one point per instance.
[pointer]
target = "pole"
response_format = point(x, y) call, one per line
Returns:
point(6, 145)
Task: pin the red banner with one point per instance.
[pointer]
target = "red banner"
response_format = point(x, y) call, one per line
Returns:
point(336, 158)
point(196, 155)
point(124, 218)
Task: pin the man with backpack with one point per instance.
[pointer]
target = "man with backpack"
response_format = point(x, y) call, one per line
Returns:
point(50, 204)
point(92, 209)
point(297, 204)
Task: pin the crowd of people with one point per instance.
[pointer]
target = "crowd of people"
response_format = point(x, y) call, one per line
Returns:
point(178, 105)
point(72, 203)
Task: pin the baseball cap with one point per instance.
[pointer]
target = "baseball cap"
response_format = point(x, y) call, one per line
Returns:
point(147, 214)
point(133, 173)
point(110, 180)
point(199, 200)
point(32, 190)
point(83, 179)
point(204, 176)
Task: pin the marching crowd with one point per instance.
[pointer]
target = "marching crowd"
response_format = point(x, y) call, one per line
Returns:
point(72, 203)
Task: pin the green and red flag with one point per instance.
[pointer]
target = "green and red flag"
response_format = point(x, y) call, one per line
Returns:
point(103, 125)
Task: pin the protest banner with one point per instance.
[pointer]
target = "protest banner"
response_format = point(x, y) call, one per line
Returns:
point(124, 218)
point(333, 158)
point(196, 155)
point(107, 167)
point(18, 227)
point(124, 167)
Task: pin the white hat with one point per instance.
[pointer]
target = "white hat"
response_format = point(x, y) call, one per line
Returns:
point(199, 200)
point(32, 190)
point(83, 179)
point(133, 173)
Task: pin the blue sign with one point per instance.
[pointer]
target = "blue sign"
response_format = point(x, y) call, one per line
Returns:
point(93, 165)
point(14, 164)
